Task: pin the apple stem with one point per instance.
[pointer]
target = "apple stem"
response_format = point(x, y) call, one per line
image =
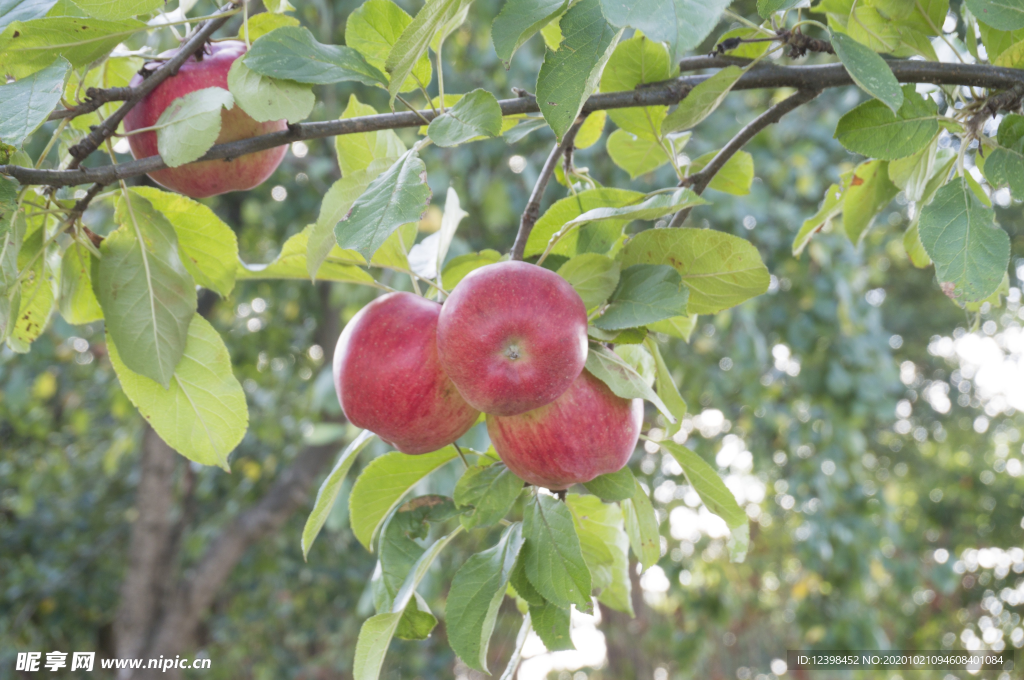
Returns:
point(461, 455)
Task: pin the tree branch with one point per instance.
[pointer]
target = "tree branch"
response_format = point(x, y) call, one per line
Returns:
point(700, 180)
point(95, 97)
point(814, 77)
point(105, 130)
point(532, 212)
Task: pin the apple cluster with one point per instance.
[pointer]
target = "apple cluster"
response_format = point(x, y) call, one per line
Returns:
point(511, 342)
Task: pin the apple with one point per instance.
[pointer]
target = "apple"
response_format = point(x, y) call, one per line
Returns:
point(512, 337)
point(585, 433)
point(207, 178)
point(389, 379)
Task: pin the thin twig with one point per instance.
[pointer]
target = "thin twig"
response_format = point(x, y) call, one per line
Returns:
point(532, 211)
point(700, 180)
point(766, 76)
point(95, 97)
point(105, 130)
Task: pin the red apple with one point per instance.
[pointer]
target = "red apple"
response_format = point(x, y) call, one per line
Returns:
point(512, 337)
point(585, 433)
point(208, 178)
point(389, 379)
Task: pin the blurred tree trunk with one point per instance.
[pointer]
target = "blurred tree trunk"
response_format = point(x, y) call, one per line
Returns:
point(624, 636)
point(162, 604)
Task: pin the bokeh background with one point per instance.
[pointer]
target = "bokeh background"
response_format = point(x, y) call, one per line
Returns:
point(873, 434)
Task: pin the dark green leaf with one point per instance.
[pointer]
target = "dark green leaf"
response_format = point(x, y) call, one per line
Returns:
point(570, 75)
point(868, 70)
point(873, 130)
point(23, 10)
point(1006, 15)
point(645, 294)
point(551, 623)
point(476, 593)
point(490, 491)
point(615, 486)
point(519, 20)
point(396, 197)
point(292, 53)
point(475, 115)
point(147, 295)
point(768, 7)
point(551, 553)
point(960, 235)
point(25, 103)
point(683, 24)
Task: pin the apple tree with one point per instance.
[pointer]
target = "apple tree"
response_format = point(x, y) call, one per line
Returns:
point(87, 237)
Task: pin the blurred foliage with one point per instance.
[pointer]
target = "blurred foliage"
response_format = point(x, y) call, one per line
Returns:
point(843, 547)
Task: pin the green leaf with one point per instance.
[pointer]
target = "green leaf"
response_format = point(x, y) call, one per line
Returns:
point(720, 269)
point(615, 486)
point(23, 10)
point(960, 235)
point(911, 174)
point(590, 132)
point(336, 205)
point(419, 570)
point(40, 41)
point(868, 70)
point(147, 295)
point(519, 20)
point(263, 23)
point(597, 238)
point(570, 75)
point(768, 7)
point(667, 389)
point(621, 379)
point(339, 265)
point(1005, 163)
point(398, 196)
point(645, 294)
point(830, 208)
point(525, 127)
point(868, 193)
point(1006, 15)
point(713, 492)
point(873, 130)
point(76, 300)
point(634, 62)
point(683, 24)
point(591, 275)
point(374, 28)
point(190, 125)
point(551, 624)
point(202, 413)
point(292, 53)
point(476, 593)
point(208, 246)
point(427, 257)
point(372, 645)
point(37, 291)
point(490, 491)
point(417, 622)
point(605, 548)
point(641, 525)
point(651, 208)
point(735, 177)
point(25, 103)
point(522, 586)
point(458, 267)
point(915, 249)
point(635, 155)
point(384, 483)
point(394, 252)
point(552, 556)
point(678, 327)
point(416, 38)
point(12, 231)
point(357, 151)
point(637, 358)
point(115, 10)
point(552, 34)
point(702, 100)
point(266, 99)
point(328, 492)
point(399, 552)
point(475, 115)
